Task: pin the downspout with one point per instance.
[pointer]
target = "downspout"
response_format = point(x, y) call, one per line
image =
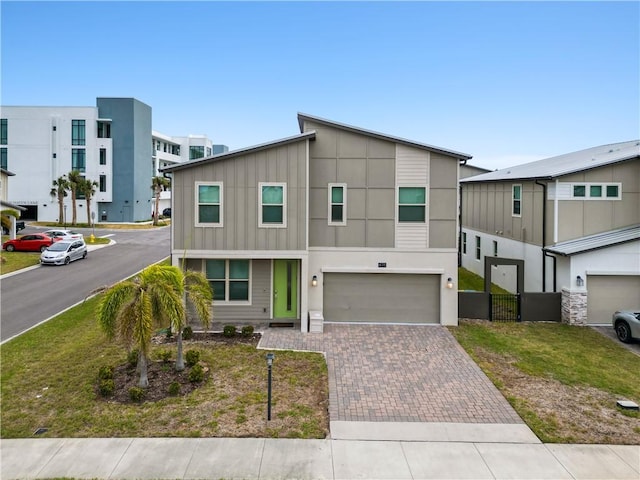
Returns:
point(459, 225)
point(544, 234)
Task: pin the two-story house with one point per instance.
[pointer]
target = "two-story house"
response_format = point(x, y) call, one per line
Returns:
point(354, 225)
point(575, 221)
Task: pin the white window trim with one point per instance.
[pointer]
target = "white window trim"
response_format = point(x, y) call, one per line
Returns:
point(514, 200)
point(478, 249)
point(464, 243)
point(398, 205)
point(284, 205)
point(330, 204)
point(249, 301)
point(197, 204)
point(587, 194)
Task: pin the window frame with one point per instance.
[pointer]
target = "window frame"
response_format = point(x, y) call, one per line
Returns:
point(516, 201)
point(227, 280)
point(261, 223)
point(604, 191)
point(75, 156)
point(220, 204)
point(495, 248)
point(78, 132)
point(4, 131)
point(102, 156)
point(196, 150)
point(102, 183)
point(400, 205)
point(331, 204)
point(464, 243)
point(4, 158)
point(478, 248)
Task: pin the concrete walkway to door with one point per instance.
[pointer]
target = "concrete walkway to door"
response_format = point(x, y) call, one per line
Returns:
point(399, 373)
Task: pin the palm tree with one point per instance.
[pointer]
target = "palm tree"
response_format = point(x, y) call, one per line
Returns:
point(59, 190)
point(199, 296)
point(5, 218)
point(158, 184)
point(88, 188)
point(75, 180)
point(130, 310)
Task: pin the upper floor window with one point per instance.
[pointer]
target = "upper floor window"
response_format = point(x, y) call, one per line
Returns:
point(104, 130)
point(337, 204)
point(103, 183)
point(196, 152)
point(4, 131)
point(78, 133)
point(103, 156)
point(208, 151)
point(208, 204)
point(596, 191)
point(412, 204)
point(78, 159)
point(3, 158)
point(229, 279)
point(516, 200)
point(273, 205)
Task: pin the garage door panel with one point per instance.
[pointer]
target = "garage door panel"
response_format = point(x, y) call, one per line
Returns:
point(608, 293)
point(383, 298)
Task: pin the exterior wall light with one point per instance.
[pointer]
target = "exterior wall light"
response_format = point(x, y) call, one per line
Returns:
point(579, 281)
point(314, 281)
point(449, 283)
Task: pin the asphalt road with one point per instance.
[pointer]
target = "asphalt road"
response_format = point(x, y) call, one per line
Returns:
point(33, 296)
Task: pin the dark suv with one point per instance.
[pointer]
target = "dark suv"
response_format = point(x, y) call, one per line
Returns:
point(19, 226)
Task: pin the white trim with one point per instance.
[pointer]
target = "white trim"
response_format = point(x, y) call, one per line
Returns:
point(514, 199)
point(330, 204)
point(284, 205)
point(587, 193)
point(417, 271)
point(398, 205)
point(220, 222)
point(227, 280)
point(381, 250)
point(611, 273)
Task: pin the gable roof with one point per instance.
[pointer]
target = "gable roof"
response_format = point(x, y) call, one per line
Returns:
point(568, 163)
point(302, 117)
point(242, 151)
point(595, 242)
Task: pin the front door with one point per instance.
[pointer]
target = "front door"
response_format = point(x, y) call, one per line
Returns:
point(285, 288)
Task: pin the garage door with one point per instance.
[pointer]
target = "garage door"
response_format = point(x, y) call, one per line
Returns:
point(608, 293)
point(381, 298)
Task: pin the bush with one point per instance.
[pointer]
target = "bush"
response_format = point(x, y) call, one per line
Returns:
point(132, 357)
point(187, 333)
point(107, 387)
point(229, 331)
point(164, 355)
point(105, 372)
point(136, 394)
point(196, 375)
point(192, 357)
point(174, 388)
point(247, 330)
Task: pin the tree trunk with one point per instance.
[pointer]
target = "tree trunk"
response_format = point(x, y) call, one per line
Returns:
point(73, 206)
point(179, 358)
point(88, 200)
point(142, 368)
point(157, 214)
point(60, 209)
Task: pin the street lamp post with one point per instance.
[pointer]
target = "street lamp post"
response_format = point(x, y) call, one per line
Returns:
point(270, 357)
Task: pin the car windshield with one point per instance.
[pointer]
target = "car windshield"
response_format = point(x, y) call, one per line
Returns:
point(58, 247)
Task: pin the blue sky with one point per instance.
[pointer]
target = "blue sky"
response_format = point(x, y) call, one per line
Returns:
point(506, 82)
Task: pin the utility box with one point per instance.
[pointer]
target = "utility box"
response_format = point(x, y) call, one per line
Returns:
point(316, 321)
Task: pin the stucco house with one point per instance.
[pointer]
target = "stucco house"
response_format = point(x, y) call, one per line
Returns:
point(575, 221)
point(336, 222)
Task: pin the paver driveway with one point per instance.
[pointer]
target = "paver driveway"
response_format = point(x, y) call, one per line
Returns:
point(399, 373)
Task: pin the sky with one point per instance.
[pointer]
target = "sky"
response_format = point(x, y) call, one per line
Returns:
point(506, 82)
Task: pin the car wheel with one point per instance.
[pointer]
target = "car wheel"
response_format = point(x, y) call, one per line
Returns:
point(10, 248)
point(84, 255)
point(67, 260)
point(43, 248)
point(623, 332)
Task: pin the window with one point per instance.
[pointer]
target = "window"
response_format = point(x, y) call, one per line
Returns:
point(4, 131)
point(337, 204)
point(464, 243)
point(208, 151)
point(495, 248)
point(516, 199)
point(411, 204)
point(103, 183)
point(3, 158)
point(478, 248)
point(78, 159)
point(272, 212)
point(78, 134)
point(104, 130)
point(613, 191)
point(79, 192)
point(196, 152)
point(209, 204)
point(595, 191)
point(103, 156)
point(229, 279)
point(579, 191)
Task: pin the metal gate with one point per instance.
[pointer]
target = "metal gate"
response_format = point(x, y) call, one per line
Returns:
point(504, 307)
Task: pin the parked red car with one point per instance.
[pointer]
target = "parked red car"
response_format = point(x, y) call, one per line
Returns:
point(29, 243)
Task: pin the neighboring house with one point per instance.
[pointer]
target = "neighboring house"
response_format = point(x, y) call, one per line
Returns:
point(5, 205)
point(111, 143)
point(575, 221)
point(349, 224)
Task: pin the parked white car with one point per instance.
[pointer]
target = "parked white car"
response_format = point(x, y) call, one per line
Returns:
point(63, 234)
point(64, 252)
point(627, 325)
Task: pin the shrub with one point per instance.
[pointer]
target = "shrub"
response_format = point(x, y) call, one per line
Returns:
point(196, 375)
point(187, 333)
point(192, 357)
point(229, 331)
point(105, 372)
point(174, 388)
point(132, 357)
point(136, 394)
point(247, 330)
point(164, 355)
point(107, 387)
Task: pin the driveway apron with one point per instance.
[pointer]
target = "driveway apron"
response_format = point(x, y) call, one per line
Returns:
point(399, 373)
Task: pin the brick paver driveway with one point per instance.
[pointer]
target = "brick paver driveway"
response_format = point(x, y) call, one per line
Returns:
point(398, 373)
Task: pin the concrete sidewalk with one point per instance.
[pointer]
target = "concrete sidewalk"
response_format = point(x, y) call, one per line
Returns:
point(253, 458)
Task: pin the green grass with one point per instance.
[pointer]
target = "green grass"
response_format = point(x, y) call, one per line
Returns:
point(470, 281)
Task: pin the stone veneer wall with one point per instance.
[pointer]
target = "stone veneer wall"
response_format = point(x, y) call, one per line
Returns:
point(574, 307)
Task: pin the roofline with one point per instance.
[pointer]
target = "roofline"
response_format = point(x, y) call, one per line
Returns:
point(7, 172)
point(242, 151)
point(382, 136)
point(4, 203)
point(590, 249)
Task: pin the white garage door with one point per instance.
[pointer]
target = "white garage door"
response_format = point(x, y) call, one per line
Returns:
point(381, 298)
point(608, 293)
